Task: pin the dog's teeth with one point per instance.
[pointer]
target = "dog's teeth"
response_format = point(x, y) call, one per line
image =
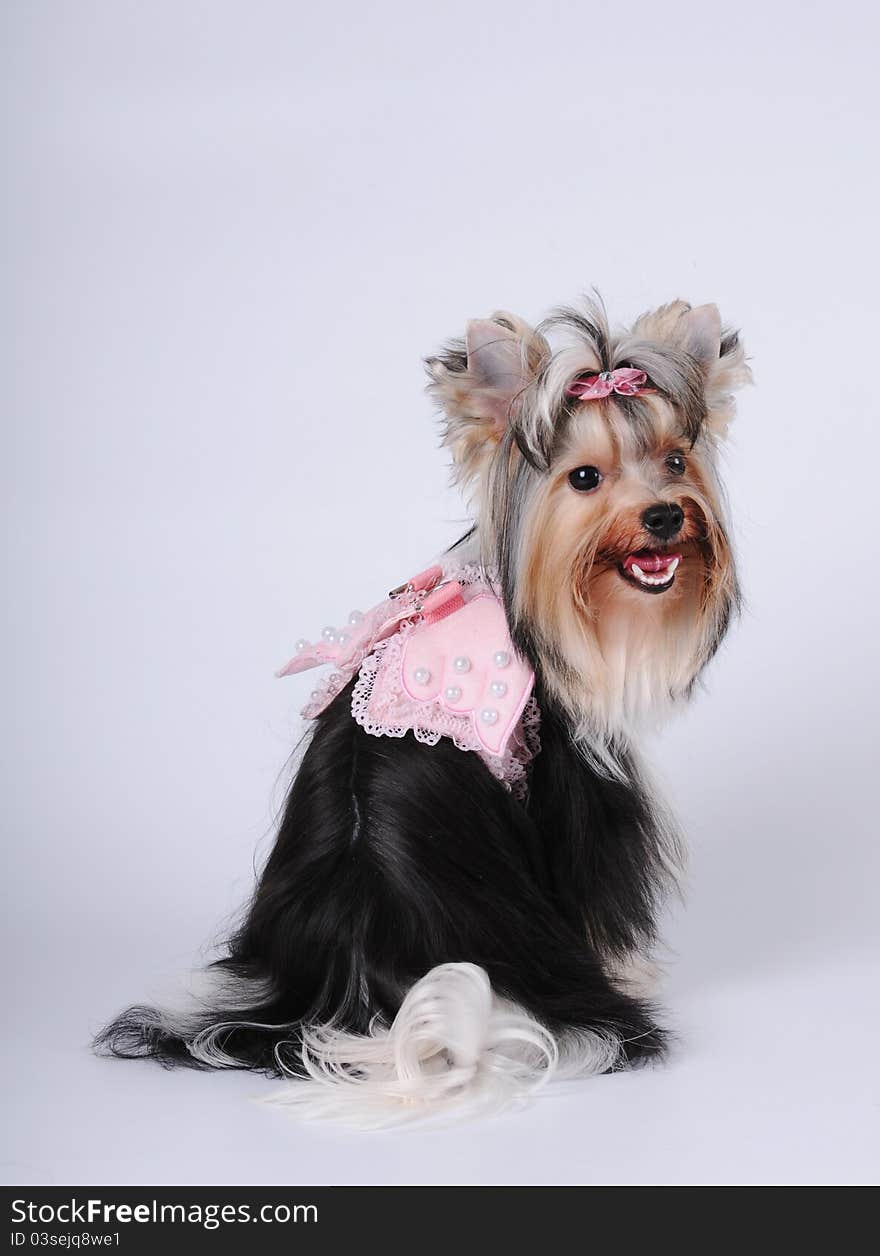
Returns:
point(665, 577)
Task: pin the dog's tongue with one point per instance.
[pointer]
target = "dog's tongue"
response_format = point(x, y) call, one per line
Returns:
point(650, 561)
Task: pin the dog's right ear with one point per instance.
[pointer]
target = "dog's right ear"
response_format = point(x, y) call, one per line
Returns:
point(478, 382)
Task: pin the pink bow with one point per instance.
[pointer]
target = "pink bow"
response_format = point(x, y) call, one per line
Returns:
point(625, 380)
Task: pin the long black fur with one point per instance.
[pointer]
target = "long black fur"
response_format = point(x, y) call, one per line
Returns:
point(393, 857)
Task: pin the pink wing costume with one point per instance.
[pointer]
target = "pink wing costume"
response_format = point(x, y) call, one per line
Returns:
point(434, 658)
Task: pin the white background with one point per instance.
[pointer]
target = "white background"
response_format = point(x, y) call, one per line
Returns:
point(232, 232)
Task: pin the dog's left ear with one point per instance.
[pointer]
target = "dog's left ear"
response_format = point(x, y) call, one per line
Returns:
point(479, 382)
point(699, 332)
point(721, 357)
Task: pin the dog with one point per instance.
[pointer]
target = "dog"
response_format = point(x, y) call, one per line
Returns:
point(468, 869)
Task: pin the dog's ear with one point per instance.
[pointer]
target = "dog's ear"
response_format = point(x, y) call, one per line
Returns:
point(729, 372)
point(479, 381)
point(699, 332)
point(722, 359)
point(717, 350)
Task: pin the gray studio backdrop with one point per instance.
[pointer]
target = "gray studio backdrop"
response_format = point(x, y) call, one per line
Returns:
point(231, 232)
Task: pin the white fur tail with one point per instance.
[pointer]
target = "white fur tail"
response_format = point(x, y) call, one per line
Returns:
point(455, 1049)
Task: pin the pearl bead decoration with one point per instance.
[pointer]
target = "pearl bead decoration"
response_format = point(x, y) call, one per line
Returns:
point(498, 688)
point(421, 675)
point(355, 617)
point(301, 645)
point(329, 634)
point(452, 693)
point(462, 664)
point(501, 658)
point(489, 715)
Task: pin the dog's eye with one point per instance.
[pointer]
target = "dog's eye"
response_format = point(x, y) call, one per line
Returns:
point(676, 464)
point(585, 479)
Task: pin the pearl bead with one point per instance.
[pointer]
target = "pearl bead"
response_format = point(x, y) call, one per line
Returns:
point(498, 688)
point(453, 693)
point(341, 638)
point(301, 645)
point(329, 634)
point(355, 617)
point(421, 675)
point(501, 658)
point(462, 664)
point(315, 695)
point(489, 715)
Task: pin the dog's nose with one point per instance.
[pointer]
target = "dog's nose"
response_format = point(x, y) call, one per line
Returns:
point(664, 519)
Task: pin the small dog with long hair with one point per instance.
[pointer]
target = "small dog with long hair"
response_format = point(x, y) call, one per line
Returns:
point(470, 862)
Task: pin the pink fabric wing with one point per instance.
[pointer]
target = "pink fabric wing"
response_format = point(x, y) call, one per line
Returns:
point(465, 663)
point(435, 660)
point(375, 625)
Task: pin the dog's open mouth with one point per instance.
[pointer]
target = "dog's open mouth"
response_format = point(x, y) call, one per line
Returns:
point(650, 570)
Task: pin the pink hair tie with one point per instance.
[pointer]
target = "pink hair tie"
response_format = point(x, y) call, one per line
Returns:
point(625, 380)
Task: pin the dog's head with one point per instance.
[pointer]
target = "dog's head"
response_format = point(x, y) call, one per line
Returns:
point(591, 457)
